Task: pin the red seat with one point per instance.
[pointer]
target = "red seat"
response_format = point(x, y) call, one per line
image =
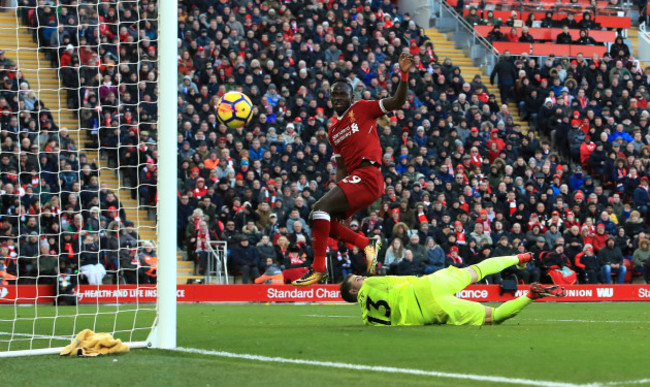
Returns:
point(545, 49)
point(603, 20)
point(587, 51)
point(515, 48)
point(551, 33)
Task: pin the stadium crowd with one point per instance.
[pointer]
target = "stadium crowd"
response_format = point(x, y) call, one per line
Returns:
point(463, 181)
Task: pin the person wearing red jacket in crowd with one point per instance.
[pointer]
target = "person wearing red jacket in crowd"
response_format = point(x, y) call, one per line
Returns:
point(534, 220)
point(586, 148)
point(200, 190)
point(556, 220)
point(66, 57)
point(475, 157)
point(453, 259)
point(493, 152)
point(557, 265)
point(461, 234)
point(571, 220)
point(587, 265)
point(600, 238)
point(414, 49)
point(484, 221)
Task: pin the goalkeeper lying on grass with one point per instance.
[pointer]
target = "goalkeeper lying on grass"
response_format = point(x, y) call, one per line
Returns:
point(393, 300)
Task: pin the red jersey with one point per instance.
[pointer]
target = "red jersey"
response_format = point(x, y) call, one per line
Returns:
point(354, 135)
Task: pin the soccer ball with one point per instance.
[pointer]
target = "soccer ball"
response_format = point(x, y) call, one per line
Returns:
point(235, 109)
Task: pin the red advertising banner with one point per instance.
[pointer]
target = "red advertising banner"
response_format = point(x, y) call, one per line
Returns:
point(29, 294)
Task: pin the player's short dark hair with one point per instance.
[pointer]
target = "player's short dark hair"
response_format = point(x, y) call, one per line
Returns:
point(345, 82)
point(345, 288)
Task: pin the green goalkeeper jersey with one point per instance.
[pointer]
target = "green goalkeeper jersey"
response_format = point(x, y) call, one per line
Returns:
point(390, 300)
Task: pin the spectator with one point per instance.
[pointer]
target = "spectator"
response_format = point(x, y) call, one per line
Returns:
point(203, 238)
point(558, 266)
point(480, 236)
point(409, 265)
point(65, 284)
point(491, 20)
point(619, 50)
point(495, 35)
point(272, 274)
point(588, 265)
point(147, 264)
point(265, 249)
point(47, 265)
point(547, 21)
point(513, 36)
point(564, 37)
point(642, 259)
point(246, 260)
point(89, 263)
point(526, 37)
point(506, 72)
point(585, 40)
point(418, 250)
point(634, 225)
point(435, 256)
point(394, 255)
point(454, 259)
point(472, 17)
point(642, 197)
point(610, 258)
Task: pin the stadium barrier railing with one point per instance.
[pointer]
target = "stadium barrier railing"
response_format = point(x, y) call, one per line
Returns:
point(445, 18)
point(218, 265)
point(644, 44)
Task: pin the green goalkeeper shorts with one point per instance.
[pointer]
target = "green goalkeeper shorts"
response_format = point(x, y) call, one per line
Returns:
point(435, 295)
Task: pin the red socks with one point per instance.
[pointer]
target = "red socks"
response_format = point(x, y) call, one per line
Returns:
point(322, 228)
point(342, 233)
point(320, 232)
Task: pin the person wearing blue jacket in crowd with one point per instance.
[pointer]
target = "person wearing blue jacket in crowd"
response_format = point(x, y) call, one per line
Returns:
point(435, 256)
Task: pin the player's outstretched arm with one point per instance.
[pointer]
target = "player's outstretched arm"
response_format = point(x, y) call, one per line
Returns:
point(398, 99)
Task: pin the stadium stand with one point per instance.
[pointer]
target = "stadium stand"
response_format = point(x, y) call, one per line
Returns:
point(454, 155)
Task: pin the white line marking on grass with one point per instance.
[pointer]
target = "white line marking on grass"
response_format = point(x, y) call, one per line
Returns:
point(329, 316)
point(392, 370)
point(588, 321)
point(640, 381)
point(46, 337)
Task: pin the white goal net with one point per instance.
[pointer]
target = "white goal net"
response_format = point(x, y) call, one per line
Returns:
point(78, 171)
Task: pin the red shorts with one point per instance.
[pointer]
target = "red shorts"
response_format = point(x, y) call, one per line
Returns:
point(362, 187)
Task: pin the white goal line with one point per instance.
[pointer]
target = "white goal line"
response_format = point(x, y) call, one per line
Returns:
point(392, 370)
point(36, 336)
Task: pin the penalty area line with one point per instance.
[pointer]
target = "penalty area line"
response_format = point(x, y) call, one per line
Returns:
point(392, 370)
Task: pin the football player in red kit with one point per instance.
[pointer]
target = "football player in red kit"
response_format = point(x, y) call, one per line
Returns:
point(358, 155)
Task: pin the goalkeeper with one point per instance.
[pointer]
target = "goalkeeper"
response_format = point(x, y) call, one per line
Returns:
point(393, 300)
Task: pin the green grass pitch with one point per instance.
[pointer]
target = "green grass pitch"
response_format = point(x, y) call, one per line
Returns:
point(582, 343)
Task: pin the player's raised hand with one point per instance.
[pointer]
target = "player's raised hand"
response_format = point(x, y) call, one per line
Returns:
point(405, 62)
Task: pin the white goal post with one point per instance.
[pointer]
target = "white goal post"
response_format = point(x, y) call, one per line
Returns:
point(165, 331)
point(31, 325)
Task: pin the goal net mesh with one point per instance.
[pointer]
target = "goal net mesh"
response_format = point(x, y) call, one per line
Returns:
point(77, 171)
